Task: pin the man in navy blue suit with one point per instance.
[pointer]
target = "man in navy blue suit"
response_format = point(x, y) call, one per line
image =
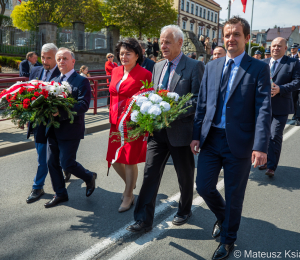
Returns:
point(285, 73)
point(232, 127)
point(147, 63)
point(27, 65)
point(47, 72)
point(63, 142)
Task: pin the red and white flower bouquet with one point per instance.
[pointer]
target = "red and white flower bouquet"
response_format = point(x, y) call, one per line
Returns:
point(36, 101)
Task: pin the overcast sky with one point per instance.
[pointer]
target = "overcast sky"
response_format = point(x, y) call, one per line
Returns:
point(266, 13)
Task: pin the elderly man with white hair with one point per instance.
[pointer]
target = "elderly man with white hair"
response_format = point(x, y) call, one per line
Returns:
point(180, 74)
point(47, 72)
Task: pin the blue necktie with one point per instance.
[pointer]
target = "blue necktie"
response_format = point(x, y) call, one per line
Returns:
point(222, 92)
point(46, 75)
point(167, 76)
point(62, 78)
point(273, 67)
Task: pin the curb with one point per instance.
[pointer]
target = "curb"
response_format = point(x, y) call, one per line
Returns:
point(26, 145)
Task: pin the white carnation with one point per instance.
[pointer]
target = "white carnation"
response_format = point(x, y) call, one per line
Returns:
point(140, 100)
point(145, 107)
point(154, 110)
point(66, 86)
point(155, 98)
point(56, 89)
point(166, 106)
point(173, 95)
point(133, 115)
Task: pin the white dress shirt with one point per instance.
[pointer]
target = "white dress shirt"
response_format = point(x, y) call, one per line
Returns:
point(276, 65)
point(49, 74)
point(67, 75)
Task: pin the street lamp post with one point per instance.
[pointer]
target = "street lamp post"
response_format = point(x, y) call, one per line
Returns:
point(249, 47)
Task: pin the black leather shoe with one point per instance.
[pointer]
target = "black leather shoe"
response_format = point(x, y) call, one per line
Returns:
point(297, 123)
point(56, 200)
point(90, 187)
point(217, 229)
point(294, 117)
point(180, 220)
point(223, 251)
point(35, 195)
point(138, 227)
point(67, 176)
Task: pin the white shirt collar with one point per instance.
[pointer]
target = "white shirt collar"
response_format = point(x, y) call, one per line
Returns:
point(237, 60)
point(278, 61)
point(51, 71)
point(68, 74)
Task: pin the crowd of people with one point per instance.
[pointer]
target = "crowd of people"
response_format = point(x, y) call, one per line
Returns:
point(237, 116)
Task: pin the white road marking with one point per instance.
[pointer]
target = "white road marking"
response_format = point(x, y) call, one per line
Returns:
point(142, 242)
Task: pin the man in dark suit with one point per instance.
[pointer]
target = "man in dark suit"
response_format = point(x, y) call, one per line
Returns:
point(182, 75)
point(285, 74)
point(232, 127)
point(63, 142)
point(47, 72)
point(147, 63)
point(295, 94)
point(27, 65)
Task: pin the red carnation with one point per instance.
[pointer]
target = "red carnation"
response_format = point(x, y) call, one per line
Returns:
point(10, 104)
point(36, 87)
point(8, 97)
point(25, 106)
point(163, 92)
point(45, 93)
point(26, 101)
point(15, 96)
point(22, 89)
point(36, 94)
point(33, 98)
point(17, 106)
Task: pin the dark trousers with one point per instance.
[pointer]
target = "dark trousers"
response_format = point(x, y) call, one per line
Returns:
point(215, 154)
point(277, 127)
point(296, 99)
point(158, 152)
point(64, 151)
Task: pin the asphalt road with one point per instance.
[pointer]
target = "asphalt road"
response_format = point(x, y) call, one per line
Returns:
point(270, 221)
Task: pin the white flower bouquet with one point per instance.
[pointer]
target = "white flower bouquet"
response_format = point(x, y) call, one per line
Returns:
point(149, 111)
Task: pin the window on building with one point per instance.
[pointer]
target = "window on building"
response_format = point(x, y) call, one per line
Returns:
point(207, 32)
point(204, 13)
point(196, 11)
point(214, 33)
point(199, 31)
point(216, 18)
point(212, 17)
point(8, 5)
point(187, 7)
point(220, 33)
point(183, 25)
point(200, 12)
point(192, 27)
point(192, 8)
point(182, 5)
point(208, 13)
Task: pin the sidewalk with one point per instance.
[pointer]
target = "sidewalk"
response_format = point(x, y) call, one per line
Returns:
point(13, 139)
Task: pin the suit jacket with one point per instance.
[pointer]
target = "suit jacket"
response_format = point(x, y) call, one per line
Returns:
point(39, 133)
point(287, 77)
point(24, 68)
point(81, 91)
point(148, 64)
point(37, 73)
point(127, 89)
point(248, 112)
point(297, 56)
point(186, 79)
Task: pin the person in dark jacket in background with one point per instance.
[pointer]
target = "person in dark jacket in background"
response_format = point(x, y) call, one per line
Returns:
point(155, 48)
point(27, 65)
point(147, 63)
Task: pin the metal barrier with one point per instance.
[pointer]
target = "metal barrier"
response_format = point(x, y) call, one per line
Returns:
point(95, 90)
point(95, 87)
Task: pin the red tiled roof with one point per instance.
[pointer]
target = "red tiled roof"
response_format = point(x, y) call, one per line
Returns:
point(213, 2)
point(284, 33)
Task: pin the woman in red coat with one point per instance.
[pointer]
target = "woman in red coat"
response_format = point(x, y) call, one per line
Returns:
point(125, 82)
point(110, 64)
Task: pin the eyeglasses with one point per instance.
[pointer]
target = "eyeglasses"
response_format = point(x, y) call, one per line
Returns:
point(110, 56)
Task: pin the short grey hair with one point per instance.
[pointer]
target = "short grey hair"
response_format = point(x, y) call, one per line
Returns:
point(66, 49)
point(49, 47)
point(143, 45)
point(177, 32)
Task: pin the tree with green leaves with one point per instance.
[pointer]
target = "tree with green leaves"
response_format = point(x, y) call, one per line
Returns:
point(29, 14)
point(139, 17)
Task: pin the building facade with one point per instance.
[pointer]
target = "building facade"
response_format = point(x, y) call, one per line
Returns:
point(199, 16)
point(10, 4)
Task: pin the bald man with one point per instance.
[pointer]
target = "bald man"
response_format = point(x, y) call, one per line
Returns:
point(219, 52)
point(285, 74)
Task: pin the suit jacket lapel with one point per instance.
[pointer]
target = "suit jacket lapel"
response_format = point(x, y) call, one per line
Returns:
point(218, 73)
point(70, 79)
point(282, 62)
point(41, 74)
point(245, 63)
point(177, 73)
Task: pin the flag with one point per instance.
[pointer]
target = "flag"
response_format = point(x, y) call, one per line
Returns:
point(20, 1)
point(244, 3)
